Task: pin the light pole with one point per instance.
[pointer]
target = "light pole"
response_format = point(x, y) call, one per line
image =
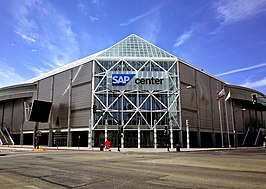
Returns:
point(233, 123)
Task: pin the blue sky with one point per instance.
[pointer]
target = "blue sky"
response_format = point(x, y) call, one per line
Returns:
point(226, 38)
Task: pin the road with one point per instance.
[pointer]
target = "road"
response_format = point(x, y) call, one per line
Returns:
point(84, 169)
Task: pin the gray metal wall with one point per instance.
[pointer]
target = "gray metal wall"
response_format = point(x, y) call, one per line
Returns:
point(81, 96)
point(198, 100)
point(68, 91)
point(17, 116)
point(8, 114)
point(60, 101)
point(45, 92)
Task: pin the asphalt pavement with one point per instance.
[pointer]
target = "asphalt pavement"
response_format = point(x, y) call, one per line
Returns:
point(133, 168)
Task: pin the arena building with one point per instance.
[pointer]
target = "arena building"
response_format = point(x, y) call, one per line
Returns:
point(151, 94)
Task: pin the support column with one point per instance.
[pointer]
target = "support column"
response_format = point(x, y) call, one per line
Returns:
point(213, 139)
point(69, 134)
point(105, 131)
point(122, 136)
point(90, 135)
point(180, 136)
point(155, 135)
point(199, 138)
point(50, 135)
point(187, 128)
point(139, 135)
point(171, 134)
point(227, 125)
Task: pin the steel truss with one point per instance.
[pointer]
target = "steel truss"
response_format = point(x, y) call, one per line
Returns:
point(155, 108)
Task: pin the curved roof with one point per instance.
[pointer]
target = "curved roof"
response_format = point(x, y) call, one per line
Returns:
point(17, 91)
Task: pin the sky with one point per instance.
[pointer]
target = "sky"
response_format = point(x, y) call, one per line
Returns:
point(226, 38)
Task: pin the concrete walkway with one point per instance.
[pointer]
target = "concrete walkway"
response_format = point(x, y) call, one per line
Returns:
point(113, 149)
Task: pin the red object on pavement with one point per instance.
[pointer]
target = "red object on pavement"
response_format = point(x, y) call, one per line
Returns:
point(107, 143)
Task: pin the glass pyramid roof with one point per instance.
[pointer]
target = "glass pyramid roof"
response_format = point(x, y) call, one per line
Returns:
point(134, 46)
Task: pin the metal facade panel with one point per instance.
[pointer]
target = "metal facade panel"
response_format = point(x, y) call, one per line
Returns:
point(28, 125)
point(192, 117)
point(60, 99)
point(252, 116)
point(229, 112)
point(17, 116)
point(239, 123)
point(187, 74)
point(1, 113)
point(45, 94)
point(80, 118)
point(82, 74)
point(204, 99)
point(215, 108)
point(45, 89)
point(8, 115)
point(246, 117)
point(81, 97)
point(188, 98)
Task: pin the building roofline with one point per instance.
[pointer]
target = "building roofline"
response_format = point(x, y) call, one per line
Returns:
point(245, 88)
point(17, 86)
point(202, 71)
point(65, 67)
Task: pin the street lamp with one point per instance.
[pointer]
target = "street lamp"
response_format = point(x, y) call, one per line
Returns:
point(234, 128)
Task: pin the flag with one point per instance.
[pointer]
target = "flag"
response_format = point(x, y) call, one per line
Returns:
point(228, 96)
point(220, 94)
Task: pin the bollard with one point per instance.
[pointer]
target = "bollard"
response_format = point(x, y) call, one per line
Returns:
point(101, 147)
point(177, 148)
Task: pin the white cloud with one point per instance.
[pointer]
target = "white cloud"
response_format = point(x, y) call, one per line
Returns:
point(134, 19)
point(183, 38)
point(241, 69)
point(93, 18)
point(37, 70)
point(37, 20)
point(95, 1)
point(238, 10)
point(151, 28)
point(9, 75)
point(255, 84)
point(27, 38)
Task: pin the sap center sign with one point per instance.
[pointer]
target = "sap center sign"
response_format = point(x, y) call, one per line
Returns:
point(141, 80)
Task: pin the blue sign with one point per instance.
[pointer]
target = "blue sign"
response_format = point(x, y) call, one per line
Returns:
point(121, 79)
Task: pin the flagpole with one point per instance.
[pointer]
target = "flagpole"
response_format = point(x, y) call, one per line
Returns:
point(221, 124)
point(227, 125)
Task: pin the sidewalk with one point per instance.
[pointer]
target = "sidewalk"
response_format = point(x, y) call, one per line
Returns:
point(113, 149)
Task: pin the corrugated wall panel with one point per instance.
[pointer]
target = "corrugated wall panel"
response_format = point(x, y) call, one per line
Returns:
point(215, 109)
point(8, 115)
point(17, 116)
point(80, 118)
point(192, 117)
point(204, 99)
point(188, 98)
point(239, 123)
point(252, 116)
point(44, 93)
point(1, 113)
point(246, 115)
point(45, 89)
point(187, 74)
point(82, 74)
point(229, 112)
point(81, 97)
point(60, 99)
